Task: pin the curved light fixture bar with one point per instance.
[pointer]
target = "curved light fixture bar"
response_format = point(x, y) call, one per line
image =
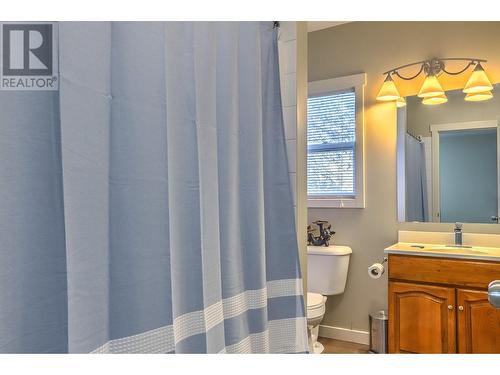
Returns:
point(396, 72)
point(478, 82)
point(434, 63)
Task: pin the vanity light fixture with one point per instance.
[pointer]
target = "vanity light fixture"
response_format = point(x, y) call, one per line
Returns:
point(478, 81)
point(433, 100)
point(431, 87)
point(479, 96)
point(477, 88)
point(388, 92)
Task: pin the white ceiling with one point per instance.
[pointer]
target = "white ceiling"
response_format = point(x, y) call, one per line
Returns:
point(319, 25)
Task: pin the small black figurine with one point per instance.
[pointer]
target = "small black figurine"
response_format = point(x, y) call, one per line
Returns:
point(325, 233)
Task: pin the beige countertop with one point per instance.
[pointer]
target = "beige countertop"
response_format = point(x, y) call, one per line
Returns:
point(444, 251)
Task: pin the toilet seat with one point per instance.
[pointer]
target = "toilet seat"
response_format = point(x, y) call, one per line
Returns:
point(314, 300)
point(315, 306)
point(315, 313)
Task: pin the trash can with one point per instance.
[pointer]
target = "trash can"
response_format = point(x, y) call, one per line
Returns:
point(378, 332)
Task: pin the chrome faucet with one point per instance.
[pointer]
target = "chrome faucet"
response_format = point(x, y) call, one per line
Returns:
point(458, 234)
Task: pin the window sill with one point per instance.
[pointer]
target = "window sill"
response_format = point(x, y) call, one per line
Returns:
point(335, 203)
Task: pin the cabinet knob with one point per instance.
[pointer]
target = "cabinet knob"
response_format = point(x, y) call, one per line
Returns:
point(494, 293)
point(450, 307)
point(461, 308)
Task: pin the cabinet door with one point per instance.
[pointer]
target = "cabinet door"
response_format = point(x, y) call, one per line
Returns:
point(421, 318)
point(478, 323)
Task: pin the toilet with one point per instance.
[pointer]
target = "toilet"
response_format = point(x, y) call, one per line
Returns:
point(326, 276)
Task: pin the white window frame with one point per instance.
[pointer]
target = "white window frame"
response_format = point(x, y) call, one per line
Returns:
point(330, 86)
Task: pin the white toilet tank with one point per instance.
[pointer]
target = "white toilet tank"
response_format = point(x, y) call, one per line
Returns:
point(327, 269)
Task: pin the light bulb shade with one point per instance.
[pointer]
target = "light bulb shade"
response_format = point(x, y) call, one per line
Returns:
point(400, 102)
point(388, 92)
point(434, 100)
point(431, 87)
point(478, 81)
point(479, 96)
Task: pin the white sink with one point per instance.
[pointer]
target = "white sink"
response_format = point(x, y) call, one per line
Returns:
point(455, 249)
point(477, 246)
point(485, 253)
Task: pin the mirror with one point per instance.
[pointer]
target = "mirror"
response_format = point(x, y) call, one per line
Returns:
point(448, 160)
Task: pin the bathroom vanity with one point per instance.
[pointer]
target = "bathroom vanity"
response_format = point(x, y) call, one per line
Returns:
point(438, 281)
point(438, 297)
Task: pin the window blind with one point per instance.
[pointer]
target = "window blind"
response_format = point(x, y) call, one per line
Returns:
point(331, 136)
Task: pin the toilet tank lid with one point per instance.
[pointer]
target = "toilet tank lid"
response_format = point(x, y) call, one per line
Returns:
point(330, 250)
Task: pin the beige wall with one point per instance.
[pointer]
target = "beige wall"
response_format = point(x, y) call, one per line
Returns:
point(374, 47)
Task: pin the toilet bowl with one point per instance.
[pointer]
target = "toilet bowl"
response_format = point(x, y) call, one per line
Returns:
point(315, 313)
point(326, 275)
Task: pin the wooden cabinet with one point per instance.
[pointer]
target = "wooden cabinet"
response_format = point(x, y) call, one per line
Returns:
point(434, 309)
point(423, 320)
point(478, 323)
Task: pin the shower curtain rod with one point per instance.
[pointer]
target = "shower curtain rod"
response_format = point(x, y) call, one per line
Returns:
point(417, 137)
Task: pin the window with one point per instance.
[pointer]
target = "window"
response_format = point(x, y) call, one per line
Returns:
point(331, 125)
point(335, 164)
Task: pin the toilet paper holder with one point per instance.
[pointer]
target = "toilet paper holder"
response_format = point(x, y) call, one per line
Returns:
point(376, 270)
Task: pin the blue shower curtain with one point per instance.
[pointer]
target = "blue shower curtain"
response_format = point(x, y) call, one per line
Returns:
point(416, 181)
point(146, 206)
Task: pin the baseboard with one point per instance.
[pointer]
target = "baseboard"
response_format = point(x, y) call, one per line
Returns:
point(344, 334)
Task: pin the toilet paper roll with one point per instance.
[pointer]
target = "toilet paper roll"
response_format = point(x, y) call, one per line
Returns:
point(376, 270)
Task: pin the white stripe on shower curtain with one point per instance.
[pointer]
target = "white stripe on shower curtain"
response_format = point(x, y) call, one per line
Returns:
point(162, 340)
